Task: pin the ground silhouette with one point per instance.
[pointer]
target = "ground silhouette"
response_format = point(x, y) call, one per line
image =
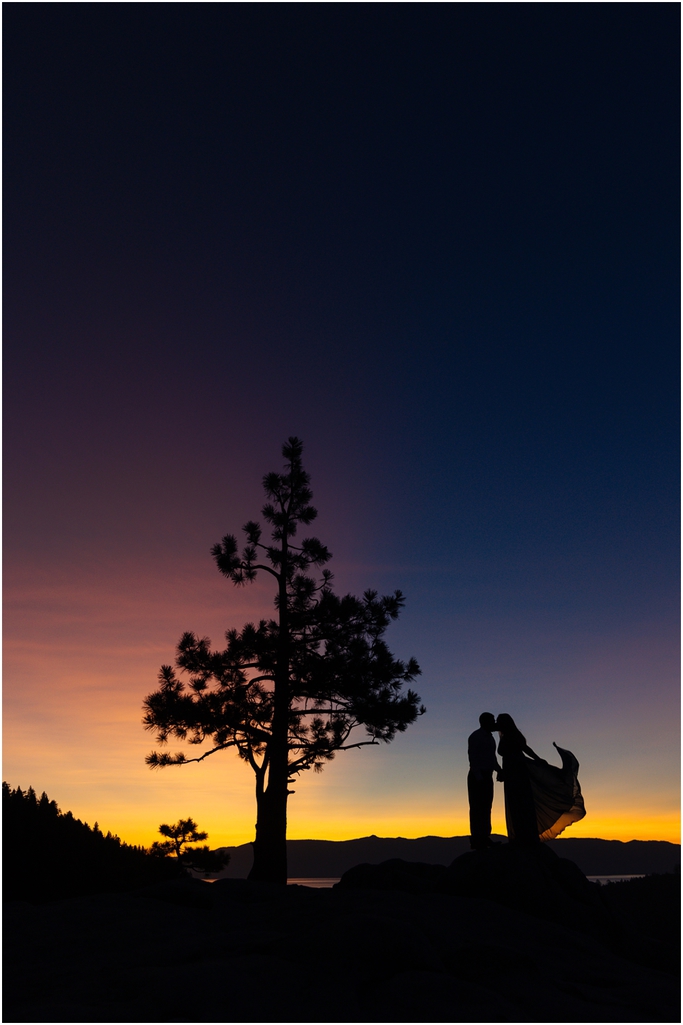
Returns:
point(189, 950)
point(499, 935)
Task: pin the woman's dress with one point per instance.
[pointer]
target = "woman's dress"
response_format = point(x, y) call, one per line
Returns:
point(557, 794)
point(541, 800)
point(520, 809)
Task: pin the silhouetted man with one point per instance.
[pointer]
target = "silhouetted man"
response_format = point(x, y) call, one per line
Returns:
point(481, 750)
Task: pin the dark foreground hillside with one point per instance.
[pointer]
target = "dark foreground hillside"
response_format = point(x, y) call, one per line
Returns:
point(236, 951)
point(48, 854)
point(92, 934)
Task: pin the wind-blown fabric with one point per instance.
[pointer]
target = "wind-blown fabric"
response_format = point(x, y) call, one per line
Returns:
point(556, 792)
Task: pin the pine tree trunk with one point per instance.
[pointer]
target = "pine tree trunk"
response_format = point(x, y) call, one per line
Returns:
point(270, 844)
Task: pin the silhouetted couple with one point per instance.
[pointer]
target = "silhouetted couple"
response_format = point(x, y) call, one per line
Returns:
point(540, 799)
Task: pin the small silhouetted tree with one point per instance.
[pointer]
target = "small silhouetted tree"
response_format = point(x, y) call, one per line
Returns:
point(181, 833)
point(289, 692)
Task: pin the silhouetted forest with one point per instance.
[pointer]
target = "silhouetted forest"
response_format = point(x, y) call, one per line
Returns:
point(49, 854)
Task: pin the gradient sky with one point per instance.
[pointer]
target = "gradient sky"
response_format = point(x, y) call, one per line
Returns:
point(438, 242)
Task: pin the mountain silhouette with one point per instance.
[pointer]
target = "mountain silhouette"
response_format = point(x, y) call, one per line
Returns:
point(331, 858)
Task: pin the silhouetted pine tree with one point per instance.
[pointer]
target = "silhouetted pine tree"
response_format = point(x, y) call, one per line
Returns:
point(288, 693)
point(181, 833)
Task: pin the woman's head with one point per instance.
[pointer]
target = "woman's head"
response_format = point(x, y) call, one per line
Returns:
point(505, 723)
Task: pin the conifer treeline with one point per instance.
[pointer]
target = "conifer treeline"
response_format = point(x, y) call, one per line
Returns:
point(49, 854)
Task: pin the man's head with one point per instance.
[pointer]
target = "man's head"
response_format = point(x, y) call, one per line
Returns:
point(487, 721)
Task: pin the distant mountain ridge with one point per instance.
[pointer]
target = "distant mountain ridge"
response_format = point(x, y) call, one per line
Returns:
point(321, 858)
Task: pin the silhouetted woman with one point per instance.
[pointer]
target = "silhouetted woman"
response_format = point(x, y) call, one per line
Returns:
point(541, 800)
point(520, 809)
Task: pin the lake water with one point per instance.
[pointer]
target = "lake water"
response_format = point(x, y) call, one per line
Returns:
point(327, 882)
point(613, 879)
point(319, 882)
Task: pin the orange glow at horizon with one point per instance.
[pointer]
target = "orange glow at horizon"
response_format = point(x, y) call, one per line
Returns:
point(133, 801)
point(77, 670)
point(134, 827)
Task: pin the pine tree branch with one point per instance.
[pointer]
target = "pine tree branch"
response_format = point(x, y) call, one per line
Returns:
point(318, 711)
point(221, 747)
point(255, 733)
point(363, 743)
point(259, 566)
point(259, 770)
point(299, 764)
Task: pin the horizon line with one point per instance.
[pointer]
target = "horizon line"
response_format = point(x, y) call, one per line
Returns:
point(435, 836)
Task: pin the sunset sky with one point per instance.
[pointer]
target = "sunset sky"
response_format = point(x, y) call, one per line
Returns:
point(439, 243)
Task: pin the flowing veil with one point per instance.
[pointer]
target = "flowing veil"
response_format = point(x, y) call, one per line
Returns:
point(557, 794)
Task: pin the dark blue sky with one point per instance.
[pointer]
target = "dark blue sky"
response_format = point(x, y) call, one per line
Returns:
point(437, 241)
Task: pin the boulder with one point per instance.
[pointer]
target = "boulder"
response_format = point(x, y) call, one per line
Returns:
point(532, 880)
point(395, 874)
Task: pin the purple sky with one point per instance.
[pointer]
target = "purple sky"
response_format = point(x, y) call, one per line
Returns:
point(440, 244)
